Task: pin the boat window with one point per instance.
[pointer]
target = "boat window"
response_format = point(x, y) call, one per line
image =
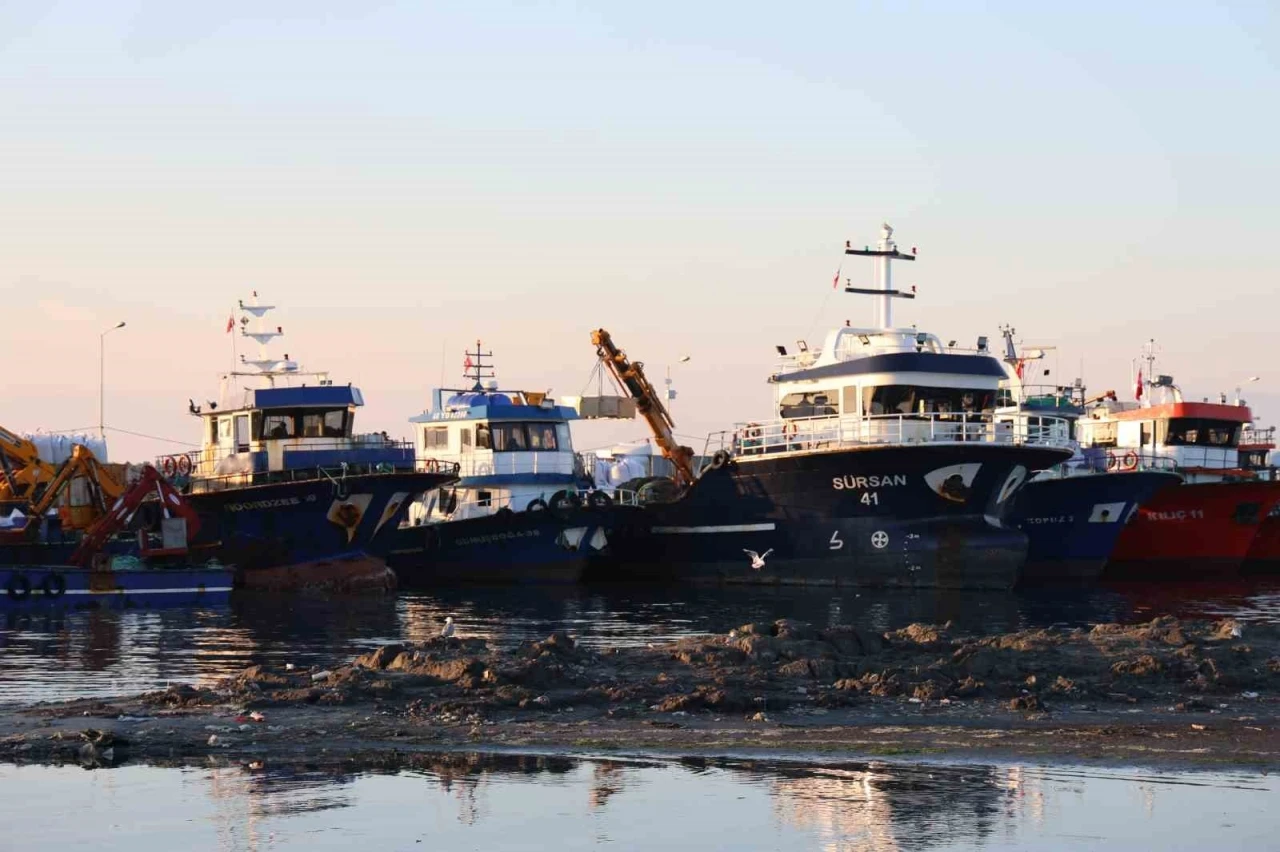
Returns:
point(336, 424)
point(1201, 432)
point(915, 399)
point(224, 428)
point(278, 426)
point(542, 436)
point(484, 498)
point(213, 430)
point(466, 437)
point(509, 438)
point(812, 404)
point(482, 437)
point(1103, 433)
point(435, 438)
point(563, 439)
point(312, 425)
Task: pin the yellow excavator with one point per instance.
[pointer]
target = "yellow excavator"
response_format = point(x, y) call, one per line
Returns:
point(36, 485)
point(630, 375)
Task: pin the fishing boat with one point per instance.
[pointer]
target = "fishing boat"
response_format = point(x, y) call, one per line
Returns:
point(887, 465)
point(287, 491)
point(1205, 527)
point(521, 509)
point(1073, 513)
point(102, 567)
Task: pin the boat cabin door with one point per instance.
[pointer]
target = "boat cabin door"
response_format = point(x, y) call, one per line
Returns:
point(242, 433)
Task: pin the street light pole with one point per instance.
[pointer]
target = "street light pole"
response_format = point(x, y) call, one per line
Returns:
point(670, 393)
point(102, 375)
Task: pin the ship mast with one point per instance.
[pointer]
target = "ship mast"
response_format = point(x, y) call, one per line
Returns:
point(266, 366)
point(885, 252)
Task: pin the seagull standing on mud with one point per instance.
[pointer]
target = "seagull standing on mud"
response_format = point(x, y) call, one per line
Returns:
point(447, 631)
point(757, 559)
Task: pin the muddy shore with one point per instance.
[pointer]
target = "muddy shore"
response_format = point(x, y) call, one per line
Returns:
point(1167, 692)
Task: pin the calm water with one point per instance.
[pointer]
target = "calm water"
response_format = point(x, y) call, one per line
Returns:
point(464, 802)
point(57, 655)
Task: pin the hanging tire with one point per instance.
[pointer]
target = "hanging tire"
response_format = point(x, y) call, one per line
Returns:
point(720, 459)
point(537, 504)
point(564, 502)
point(505, 513)
point(54, 586)
point(599, 500)
point(18, 588)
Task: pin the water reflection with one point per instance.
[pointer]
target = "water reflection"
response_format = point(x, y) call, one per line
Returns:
point(47, 655)
point(502, 801)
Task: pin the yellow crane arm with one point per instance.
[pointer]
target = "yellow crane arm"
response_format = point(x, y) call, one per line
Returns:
point(630, 375)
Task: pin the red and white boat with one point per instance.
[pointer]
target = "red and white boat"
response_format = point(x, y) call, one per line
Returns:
point(1205, 527)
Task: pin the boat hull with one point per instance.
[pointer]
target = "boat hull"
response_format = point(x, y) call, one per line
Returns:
point(1072, 524)
point(1264, 553)
point(1201, 530)
point(504, 548)
point(928, 516)
point(316, 533)
point(72, 587)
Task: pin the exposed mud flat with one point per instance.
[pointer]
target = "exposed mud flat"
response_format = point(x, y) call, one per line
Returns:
point(1168, 691)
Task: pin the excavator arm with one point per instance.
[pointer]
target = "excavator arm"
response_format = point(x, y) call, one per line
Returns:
point(630, 376)
point(21, 468)
point(151, 482)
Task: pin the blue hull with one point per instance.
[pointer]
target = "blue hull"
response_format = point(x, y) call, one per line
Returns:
point(314, 532)
point(71, 587)
point(1072, 524)
point(523, 547)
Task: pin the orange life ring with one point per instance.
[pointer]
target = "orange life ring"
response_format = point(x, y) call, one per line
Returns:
point(788, 430)
point(1130, 460)
point(1112, 461)
point(168, 466)
point(184, 465)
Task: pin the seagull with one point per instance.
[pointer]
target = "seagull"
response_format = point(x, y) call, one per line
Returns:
point(447, 630)
point(757, 559)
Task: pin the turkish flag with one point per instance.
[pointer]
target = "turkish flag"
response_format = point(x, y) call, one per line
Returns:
point(231, 323)
point(1137, 389)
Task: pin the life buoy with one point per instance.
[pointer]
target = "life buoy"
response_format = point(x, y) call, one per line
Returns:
point(431, 466)
point(18, 587)
point(184, 465)
point(788, 431)
point(599, 500)
point(1112, 461)
point(54, 586)
point(168, 467)
point(537, 504)
point(1130, 460)
point(720, 459)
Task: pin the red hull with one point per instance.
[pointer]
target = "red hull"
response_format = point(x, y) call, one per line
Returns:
point(1203, 530)
point(1264, 555)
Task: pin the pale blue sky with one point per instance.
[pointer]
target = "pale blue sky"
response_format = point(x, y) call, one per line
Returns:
point(402, 175)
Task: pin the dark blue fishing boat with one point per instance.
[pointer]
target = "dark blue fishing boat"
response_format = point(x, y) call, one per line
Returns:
point(287, 491)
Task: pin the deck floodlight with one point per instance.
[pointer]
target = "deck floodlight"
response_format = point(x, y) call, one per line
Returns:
point(982, 343)
point(802, 346)
point(782, 350)
point(866, 341)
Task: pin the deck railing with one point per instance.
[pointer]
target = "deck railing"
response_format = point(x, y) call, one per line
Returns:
point(214, 469)
point(829, 433)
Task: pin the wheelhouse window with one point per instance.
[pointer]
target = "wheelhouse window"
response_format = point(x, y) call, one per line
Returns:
point(810, 404)
point(337, 424)
point(484, 439)
point(1200, 432)
point(465, 433)
point(435, 438)
point(915, 399)
point(524, 437)
point(275, 426)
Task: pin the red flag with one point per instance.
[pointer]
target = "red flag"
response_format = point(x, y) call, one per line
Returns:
point(835, 282)
point(466, 365)
point(231, 323)
point(1018, 365)
point(1137, 390)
